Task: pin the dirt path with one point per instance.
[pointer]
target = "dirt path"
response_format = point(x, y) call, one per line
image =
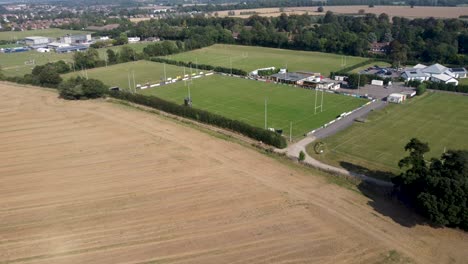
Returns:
point(93, 182)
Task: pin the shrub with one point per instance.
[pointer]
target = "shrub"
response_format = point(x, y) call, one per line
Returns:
point(81, 88)
point(301, 156)
point(421, 89)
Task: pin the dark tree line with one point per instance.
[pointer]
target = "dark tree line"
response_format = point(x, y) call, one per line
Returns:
point(438, 189)
point(424, 40)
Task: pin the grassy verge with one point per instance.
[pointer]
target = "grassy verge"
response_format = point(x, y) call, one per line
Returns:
point(375, 147)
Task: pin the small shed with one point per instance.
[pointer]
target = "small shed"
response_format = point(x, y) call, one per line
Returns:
point(396, 98)
point(410, 93)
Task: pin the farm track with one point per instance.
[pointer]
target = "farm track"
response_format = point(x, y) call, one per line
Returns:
point(92, 182)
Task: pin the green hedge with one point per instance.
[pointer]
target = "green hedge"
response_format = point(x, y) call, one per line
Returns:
point(201, 66)
point(440, 86)
point(265, 136)
point(346, 70)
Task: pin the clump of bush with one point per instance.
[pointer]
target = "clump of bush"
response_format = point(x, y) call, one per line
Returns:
point(421, 89)
point(80, 89)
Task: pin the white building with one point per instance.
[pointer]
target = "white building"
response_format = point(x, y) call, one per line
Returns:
point(434, 73)
point(76, 39)
point(396, 98)
point(43, 50)
point(133, 39)
point(55, 45)
point(35, 40)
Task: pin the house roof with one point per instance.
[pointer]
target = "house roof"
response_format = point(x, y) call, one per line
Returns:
point(458, 70)
point(419, 66)
point(396, 95)
point(442, 77)
point(35, 38)
point(435, 69)
point(414, 73)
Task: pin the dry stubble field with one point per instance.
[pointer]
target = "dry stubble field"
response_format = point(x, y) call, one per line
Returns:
point(401, 11)
point(95, 182)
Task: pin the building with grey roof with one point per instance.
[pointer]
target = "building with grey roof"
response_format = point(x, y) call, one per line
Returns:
point(292, 77)
point(434, 73)
point(35, 40)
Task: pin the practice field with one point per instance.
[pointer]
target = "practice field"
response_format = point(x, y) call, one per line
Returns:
point(16, 64)
point(144, 71)
point(51, 33)
point(244, 100)
point(378, 144)
point(249, 58)
point(103, 183)
point(19, 64)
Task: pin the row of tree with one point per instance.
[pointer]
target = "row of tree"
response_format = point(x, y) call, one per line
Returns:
point(193, 65)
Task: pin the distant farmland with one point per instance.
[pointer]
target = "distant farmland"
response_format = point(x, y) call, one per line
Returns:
point(244, 100)
point(250, 58)
point(401, 11)
point(377, 145)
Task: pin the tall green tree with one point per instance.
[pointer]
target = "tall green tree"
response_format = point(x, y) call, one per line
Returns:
point(438, 188)
point(111, 57)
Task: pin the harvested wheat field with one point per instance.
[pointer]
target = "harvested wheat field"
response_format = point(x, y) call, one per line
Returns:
point(96, 182)
point(401, 11)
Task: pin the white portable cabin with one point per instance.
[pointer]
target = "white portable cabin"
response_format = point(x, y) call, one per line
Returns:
point(377, 82)
point(396, 98)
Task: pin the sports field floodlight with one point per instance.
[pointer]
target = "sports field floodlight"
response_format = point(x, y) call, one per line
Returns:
point(266, 108)
point(129, 86)
point(290, 131)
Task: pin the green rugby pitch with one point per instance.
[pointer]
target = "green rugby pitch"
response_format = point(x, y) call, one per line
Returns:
point(244, 100)
point(249, 58)
point(145, 71)
point(376, 146)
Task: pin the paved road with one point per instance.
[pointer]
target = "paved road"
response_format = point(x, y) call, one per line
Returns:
point(293, 152)
point(348, 120)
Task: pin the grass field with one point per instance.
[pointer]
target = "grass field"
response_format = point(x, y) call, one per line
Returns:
point(377, 145)
point(51, 33)
point(250, 58)
point(138, 47)
point(245, 100)
point(13, 64)
point(145, 71)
